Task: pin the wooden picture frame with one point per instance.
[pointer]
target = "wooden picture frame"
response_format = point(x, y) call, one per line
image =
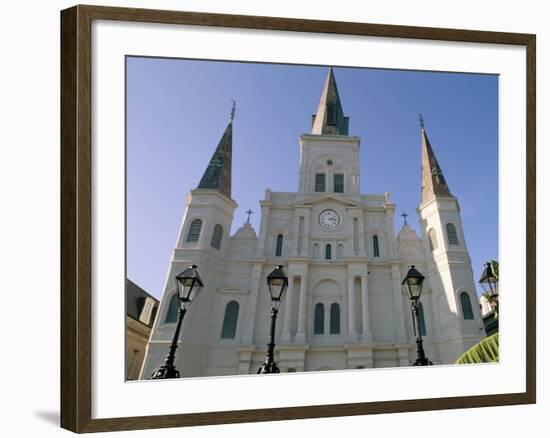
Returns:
point(76, 217)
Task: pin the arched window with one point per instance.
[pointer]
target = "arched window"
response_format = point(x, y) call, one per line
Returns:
point(279, 246)
point(216, 241)
point(421, 320)
point(375, 246)
point(328, 251)
point(334, 319)
point(466, 304)
point(194, 231)
point(452, 237)
point(229, 328)
point(319, 319)
point(432, 238)
point(173, 307)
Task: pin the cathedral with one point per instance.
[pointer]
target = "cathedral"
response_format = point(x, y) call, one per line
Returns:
point(344, 307)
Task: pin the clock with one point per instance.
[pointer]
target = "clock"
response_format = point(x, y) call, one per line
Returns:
point(329, 219)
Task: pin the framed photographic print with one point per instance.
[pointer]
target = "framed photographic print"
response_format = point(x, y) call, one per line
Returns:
point(268, 218)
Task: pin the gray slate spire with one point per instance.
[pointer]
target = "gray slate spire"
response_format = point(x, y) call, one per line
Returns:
point(433, 181)
point(330, 117)
point(218, 173)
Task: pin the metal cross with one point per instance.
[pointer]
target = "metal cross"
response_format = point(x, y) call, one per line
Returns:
point(233, 109)
point(405, 217)
point(249, 212)
point(421, 120)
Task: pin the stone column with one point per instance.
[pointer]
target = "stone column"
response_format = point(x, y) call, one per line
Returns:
point(252, 303)
point(390, 210)
point(362, 250)
point(260, 245)
point(305, 237)
point(301, 332)
point(398, 302)
point(352, 333)
point(296, 233)
point(285, 336)
point(365, 308)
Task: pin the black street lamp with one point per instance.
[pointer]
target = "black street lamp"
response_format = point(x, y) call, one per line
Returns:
point(489, 283)
point(277, 282)
point(412, 284)
point(188, 285)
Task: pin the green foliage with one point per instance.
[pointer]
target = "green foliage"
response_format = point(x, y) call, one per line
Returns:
point(493, 301)
point(484, 351)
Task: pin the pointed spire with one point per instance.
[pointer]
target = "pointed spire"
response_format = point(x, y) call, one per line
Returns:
point(218, 173)
point(330, 117)
point(433, 181)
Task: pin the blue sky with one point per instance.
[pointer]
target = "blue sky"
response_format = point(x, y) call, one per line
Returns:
point(178, 109)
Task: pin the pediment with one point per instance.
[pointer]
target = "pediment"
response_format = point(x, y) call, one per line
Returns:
point(314, 200)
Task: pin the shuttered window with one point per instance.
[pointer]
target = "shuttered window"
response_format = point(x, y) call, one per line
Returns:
point(173, 307)
point(334, 319)
point(452, 237)
point(229, 328)
point(319, 319)
point(338, 183)
point(375, 246)
point(194, 231)
point(466, 304)
point(217, 234)
point(320, 182)
point(279, 246)
point(328, 251)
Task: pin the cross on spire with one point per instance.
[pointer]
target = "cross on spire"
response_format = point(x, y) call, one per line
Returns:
point(404, 215)
point(249, 212)
point(421, 121)
point(232, 116)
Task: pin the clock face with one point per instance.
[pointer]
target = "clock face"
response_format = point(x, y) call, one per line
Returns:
point(329, 219)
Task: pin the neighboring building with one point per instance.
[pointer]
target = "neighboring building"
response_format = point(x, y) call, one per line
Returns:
point(490, 322)
point(344, 307)
point(141, 309)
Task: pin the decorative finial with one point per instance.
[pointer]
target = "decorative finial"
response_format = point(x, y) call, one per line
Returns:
point(249, 212)
point(421, 121)
point(404, 215)
point(232, 110)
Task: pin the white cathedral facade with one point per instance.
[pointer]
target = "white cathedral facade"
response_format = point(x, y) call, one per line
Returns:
point(344, 307)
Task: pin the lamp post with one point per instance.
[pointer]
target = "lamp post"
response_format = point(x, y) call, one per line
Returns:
point(188, 286)
point(277, 282)
point(489, 283)
point(412, 284)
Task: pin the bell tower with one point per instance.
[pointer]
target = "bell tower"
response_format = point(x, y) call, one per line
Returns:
point(203, 240)
point(209, 207)
point(329, 157)
point(449, 276)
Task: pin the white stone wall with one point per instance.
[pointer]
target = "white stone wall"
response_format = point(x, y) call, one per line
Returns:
point(375, 316)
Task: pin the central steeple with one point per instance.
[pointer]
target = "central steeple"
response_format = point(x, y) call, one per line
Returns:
point(330, 117)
